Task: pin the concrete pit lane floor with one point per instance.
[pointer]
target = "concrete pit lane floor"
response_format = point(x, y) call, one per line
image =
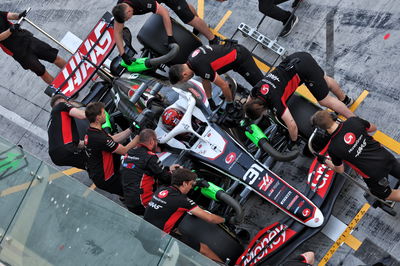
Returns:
point(356, 42)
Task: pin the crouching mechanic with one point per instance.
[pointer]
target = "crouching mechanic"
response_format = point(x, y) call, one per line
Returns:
point(103, 150)
point(169, 205)
point(273, 91)
point(351, 143)
point(26, 49)
point(65, 148)
point(125, 9)
point(210, 61)
point(142, 172)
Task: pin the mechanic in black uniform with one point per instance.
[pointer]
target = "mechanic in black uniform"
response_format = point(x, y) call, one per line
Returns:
point(270, 8)
point(104, 152)
point(273, 91)
point(26, 49)
point(351, 143)
point(125, 9)
point(209, 61)
point(169, 205)
point(65, 148)
point(142, 172)
point(304, 259)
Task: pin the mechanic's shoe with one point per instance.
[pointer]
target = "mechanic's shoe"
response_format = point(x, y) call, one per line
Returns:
point(289, 26)
point(195, 32)
point(348, 101)
point(296, 3)
point(216, 40)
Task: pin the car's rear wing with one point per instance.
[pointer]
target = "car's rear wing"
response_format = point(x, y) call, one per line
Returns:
point(87, 60)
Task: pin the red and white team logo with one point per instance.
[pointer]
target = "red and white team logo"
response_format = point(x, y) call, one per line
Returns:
point(195, 52)
point(264, 89)
point(349, 138)
point(162, 194)
point(230, 158)
point(306, 212)
point(266, 182)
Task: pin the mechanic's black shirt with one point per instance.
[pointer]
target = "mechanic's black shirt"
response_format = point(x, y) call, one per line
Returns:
point(351, 143)
point(62, 129)
point(141, 7)
point(276, 88)
point(207, 60)
point(141, 169)
point(167, 207)
point(18, 42)
point(102, 163)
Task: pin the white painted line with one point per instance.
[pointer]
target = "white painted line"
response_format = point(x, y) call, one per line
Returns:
point(71, 41)
point(334, 228)
point(15, 118)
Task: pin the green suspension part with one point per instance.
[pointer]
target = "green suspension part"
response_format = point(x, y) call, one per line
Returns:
point(209, 189)
point(107, 125)
point(254, 133)
point(139, 65)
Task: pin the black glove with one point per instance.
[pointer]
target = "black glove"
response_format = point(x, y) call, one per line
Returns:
point(292, 144)
point(231, 220)
point(135, 128)
point(213, 106)
point(171, 39)
point(321, 158)
point(15, 27)
point(22, 14)
point(127, 59)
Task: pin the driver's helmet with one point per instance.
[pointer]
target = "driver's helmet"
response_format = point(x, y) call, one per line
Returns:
point(171, 117)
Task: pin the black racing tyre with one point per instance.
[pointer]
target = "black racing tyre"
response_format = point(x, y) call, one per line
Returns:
point(214, 236)
point(153, 37)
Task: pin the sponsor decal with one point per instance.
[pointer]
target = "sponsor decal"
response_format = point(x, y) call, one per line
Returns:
point(162, 194)
point(361, 148)
point(286, 197)
point(268, 240)
point(279, 192)
point(132, 90)
point(320, 179)
point(292, 202)
point(306, 212)
point(90, 54)
point(264, 89)
point(349, 138)
point(273, 77)
point(134, 76)
point(266, 182)
point(155, 206)
point(230, 158)
point(209, 135)
point(195, 52)
point(195, 93)
point(298, 207)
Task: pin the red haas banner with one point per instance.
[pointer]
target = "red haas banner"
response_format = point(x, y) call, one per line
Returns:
point(90, 55)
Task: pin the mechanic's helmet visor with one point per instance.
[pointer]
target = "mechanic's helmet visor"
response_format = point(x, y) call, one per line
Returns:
point(171, 117)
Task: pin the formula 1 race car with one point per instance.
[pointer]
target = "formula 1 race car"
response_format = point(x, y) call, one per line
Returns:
point(232, 162)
